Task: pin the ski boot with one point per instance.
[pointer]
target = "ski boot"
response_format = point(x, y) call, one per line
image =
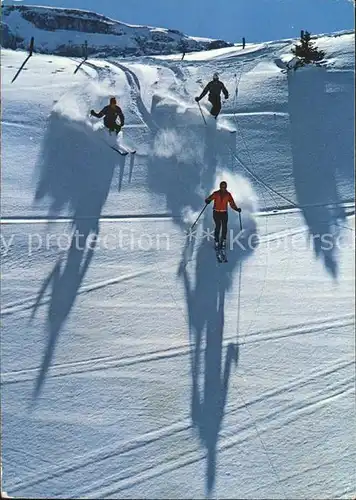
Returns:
point(223, 250)
point(217, 251)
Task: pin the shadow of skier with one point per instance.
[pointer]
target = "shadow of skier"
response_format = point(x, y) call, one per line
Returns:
point(176, 157)
point(185, 156)
point(210, 371)
point(69, 176)
point(65, 281)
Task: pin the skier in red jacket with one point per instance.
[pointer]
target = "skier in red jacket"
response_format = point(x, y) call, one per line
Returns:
point(222, 198)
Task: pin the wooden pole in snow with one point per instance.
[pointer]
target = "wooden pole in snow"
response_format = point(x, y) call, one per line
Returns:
point(85, 55)
point(30, 51)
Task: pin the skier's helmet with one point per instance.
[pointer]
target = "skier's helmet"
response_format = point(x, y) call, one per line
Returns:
point(223, 185)
point(112, 100)
point(216, 76)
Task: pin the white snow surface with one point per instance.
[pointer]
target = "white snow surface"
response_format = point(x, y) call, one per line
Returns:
point(139, 367)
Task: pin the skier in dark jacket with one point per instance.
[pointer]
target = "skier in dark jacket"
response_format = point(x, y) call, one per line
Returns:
point(215, 87)
point(110, 114)
point(222, 198)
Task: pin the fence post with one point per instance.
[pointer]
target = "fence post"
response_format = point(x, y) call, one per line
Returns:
point(30, 51)
point(32, 43)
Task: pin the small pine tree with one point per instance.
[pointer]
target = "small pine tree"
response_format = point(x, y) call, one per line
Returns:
point(307, 50)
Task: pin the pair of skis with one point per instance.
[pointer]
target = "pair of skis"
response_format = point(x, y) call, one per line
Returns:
point(221, 254)
point(218, 127)
point(123, 150)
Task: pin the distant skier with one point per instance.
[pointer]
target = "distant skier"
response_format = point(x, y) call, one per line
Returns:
point(221, 198)
point(110, 114)
point(215, 87)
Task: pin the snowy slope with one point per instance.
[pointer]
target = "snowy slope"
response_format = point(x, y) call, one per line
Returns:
point(136, 366)
point(64, 32)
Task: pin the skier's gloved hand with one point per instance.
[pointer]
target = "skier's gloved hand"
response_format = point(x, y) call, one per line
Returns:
point(238, 209)
point(92, 112)
point(207, 201)
point(197, 99)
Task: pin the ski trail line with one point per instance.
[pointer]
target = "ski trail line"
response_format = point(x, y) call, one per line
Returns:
point(135, 87)
point(114, 362)
point(231, 436)
point(170, 460)
point(29, 302)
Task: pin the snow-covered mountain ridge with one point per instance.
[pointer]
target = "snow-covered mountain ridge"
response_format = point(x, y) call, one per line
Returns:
point(64, 32)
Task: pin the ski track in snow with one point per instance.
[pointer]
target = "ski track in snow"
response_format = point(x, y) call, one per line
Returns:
point(19, 124)
point(134, 85)
point(232, 436)
point(30, 302)
point(108, 362)
point(269, 212)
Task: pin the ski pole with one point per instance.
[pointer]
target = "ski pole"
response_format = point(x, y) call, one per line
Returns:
point(240, 221)
point(239, 293)
point(196, 220)
point(236, 86)
point(201, 112)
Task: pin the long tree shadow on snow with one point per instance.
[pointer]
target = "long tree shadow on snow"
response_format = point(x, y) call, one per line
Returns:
point(74, 177)
point(205, 304)
point(322, 123)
